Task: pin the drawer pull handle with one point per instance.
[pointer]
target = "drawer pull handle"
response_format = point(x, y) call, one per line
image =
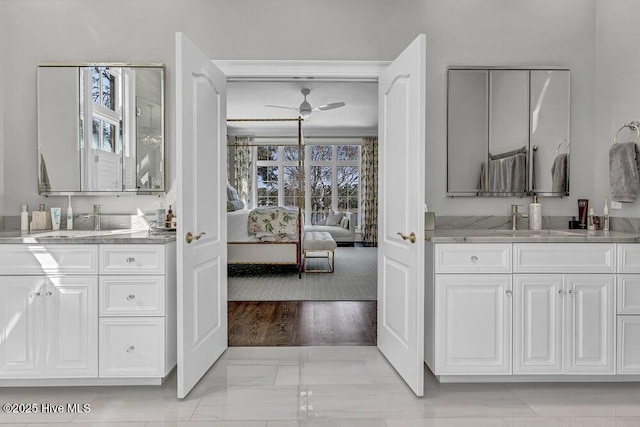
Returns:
point(131, 259)
point(131, 297)
point(131, 349)
point(509, 292)
point(474, 258)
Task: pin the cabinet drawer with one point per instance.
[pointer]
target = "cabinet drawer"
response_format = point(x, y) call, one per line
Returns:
point(132, 296)
point(628, 292)
point(132, 347)
point(473, 258)
point(563, 258)
point(48, 259)
point(628, 258)
point(628, 348)
point(131, 259)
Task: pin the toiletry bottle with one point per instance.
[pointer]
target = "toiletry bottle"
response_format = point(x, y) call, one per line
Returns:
point(605, 215)
point(535, 214)
point(583, 205)
point(69, 216)
point(169, 217)
point(24, 218)
point(591, 221)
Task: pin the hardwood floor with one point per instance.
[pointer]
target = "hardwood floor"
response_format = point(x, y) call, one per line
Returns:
point(302, 323)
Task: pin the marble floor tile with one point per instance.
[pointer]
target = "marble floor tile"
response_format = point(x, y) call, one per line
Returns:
point(116, 410)
point(448, 422)
point(208, 424)
point(563, 422)
point(329, 423)
point(342, 371)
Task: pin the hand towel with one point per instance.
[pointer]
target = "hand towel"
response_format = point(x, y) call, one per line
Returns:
point(559, 174)
point(624, 178)
point(506, 175)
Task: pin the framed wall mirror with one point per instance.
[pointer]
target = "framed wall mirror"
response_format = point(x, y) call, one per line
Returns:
point(101, 128)
point(508, 131)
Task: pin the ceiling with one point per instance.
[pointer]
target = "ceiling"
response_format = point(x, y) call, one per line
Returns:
point(359, 117)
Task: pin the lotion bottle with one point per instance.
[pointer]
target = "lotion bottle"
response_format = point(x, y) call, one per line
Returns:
point(591, 224)
point(69, 215)
point(535, 214)
point(24, 218)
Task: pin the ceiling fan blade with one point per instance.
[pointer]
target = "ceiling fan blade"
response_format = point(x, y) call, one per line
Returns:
point(329, 106)
point(286, 108)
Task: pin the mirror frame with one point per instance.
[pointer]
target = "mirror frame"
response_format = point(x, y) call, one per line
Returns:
point(529, 191)
point(131, 192)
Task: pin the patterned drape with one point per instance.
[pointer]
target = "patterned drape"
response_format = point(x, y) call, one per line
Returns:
point(242, 166)
point(369, 184)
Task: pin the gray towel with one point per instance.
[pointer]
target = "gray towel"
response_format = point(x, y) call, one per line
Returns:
point(559, 174)
point(505, 175)
point(624, 179)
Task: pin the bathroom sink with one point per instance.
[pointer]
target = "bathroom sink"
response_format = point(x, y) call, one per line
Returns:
point(79, 233)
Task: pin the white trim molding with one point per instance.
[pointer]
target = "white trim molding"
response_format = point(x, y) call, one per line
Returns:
point(301, 69)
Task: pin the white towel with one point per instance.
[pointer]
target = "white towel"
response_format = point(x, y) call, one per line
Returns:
point(624, 178)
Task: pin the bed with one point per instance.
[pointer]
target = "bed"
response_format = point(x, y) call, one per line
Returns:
point(265, 235)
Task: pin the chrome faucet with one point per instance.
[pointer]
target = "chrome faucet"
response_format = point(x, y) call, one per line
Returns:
point(514, 216)
point(97, 214)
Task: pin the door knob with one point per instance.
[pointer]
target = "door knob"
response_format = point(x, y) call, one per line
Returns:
point(411, 237)
point(190, 237)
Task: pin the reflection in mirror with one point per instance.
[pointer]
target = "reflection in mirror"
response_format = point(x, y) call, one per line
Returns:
point(101, 128)
point(504, 126)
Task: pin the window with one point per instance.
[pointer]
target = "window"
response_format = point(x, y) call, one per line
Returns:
point(106, 108)
point(332, 181)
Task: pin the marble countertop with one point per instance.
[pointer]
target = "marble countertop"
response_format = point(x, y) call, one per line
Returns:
point(529, 236)
point(86, 237)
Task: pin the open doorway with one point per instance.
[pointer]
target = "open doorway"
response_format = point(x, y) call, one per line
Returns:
point(268, 303)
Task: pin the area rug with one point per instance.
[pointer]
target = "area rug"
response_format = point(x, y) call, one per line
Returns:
point(354, 279)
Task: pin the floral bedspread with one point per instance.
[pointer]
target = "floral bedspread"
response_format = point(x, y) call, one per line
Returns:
point(274, 224)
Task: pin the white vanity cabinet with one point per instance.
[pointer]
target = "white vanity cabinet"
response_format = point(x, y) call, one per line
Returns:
point(473, 309)
point(137, 310)
point(90, 312)
point(49, 314)
point(628, 309)
point(564, 323)
point(525, 309)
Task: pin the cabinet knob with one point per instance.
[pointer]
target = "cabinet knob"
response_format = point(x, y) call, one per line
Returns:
point(131, 297)
point(48, 294)
point(131, 349)
point(131, 259)
point(474, 258)
point(572, 292)
point(509, 292)
point(36, 294)
point(562, 293)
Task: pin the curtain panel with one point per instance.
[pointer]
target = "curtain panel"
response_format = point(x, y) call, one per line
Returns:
point(369, 189)
point(240, 177)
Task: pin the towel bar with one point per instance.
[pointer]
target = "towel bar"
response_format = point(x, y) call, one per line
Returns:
point(634, 125)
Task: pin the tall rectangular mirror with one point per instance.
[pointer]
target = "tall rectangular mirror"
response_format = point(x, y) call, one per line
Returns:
point(101, 128)
point(508, 131)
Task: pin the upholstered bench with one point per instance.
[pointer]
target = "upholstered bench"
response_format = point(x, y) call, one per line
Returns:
point(319, 244)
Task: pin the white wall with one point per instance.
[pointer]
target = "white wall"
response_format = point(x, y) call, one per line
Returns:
point(618, 89)
point(521, 32)
point(459, 32)
point(144, 31)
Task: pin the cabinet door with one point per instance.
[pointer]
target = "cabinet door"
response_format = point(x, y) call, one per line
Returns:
point(71, 309)
point(590, 324)
point(21, 335)
point(628, 348)
point(473, 324)
point(537, 322)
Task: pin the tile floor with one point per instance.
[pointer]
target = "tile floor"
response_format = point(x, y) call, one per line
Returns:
point(331, 387)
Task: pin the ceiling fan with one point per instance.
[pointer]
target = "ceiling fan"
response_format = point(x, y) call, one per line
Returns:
point(305, 109)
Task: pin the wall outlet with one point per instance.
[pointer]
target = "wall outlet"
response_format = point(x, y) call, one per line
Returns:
point(616, 205)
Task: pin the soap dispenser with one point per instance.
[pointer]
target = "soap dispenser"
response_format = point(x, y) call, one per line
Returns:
point(535, 214)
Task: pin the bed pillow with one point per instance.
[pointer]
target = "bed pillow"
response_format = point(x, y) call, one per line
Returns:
point(234, 205)
point(344, 223)
point(232, 193)
point(334, 218)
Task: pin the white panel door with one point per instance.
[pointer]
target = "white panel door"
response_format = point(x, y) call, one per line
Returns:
point(21, 307)
point(71, 313)
point(590, 324)
point(538, 301)
point(201, 205)
point(473, 324)
point(401, 201)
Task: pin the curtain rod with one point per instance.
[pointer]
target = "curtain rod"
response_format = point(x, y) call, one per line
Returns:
point(299, 119)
